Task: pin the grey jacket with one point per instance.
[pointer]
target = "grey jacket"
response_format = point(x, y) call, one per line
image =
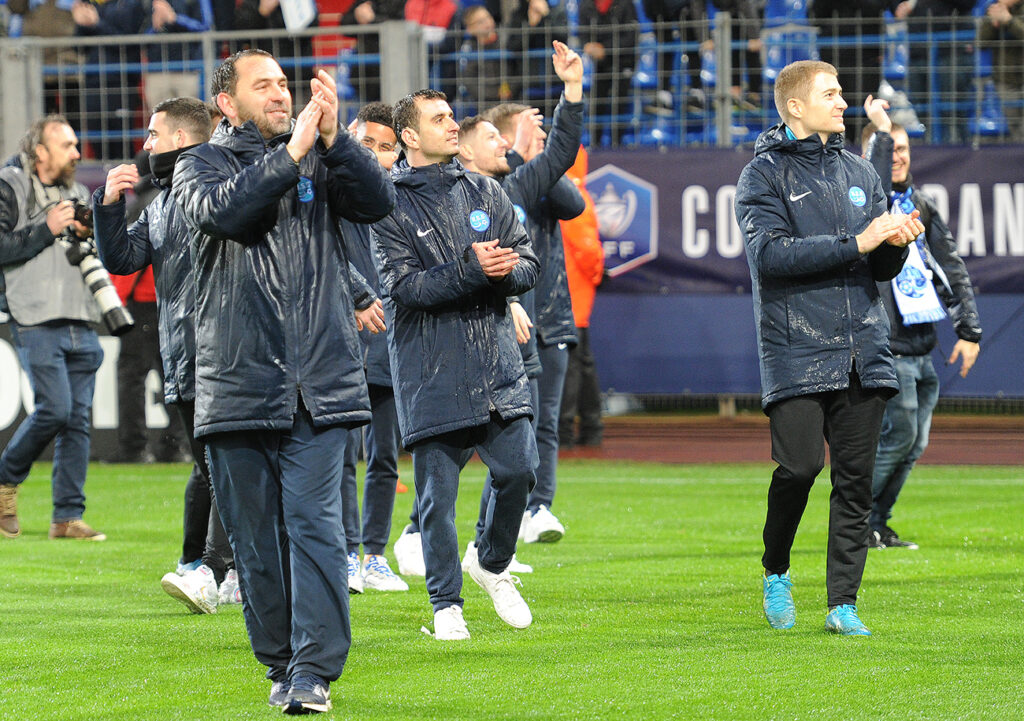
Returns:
point(37, 283)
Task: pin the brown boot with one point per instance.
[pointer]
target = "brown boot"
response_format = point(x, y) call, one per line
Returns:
point(9, 511)
point(77, 529)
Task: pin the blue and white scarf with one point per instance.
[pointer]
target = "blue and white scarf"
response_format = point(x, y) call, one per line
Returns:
point(913, 289)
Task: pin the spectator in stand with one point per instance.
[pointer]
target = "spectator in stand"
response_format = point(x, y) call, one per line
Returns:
point(175, 16)
point(950, 62)
point(608, 31)
point(482, 77)
point(1002, 32)
point(366, 79)
point(52, 19)
point(111, 96)
point(859, 23)
point(584, 267)
point(534, 25)
point(747, 21)
point(676, 20)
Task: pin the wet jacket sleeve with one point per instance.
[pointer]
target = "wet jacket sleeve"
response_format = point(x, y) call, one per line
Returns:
point(771, 247)
point(537, 177)
point(407, 282)
point(959, 297)
point(879, 154)
point(359, 189)
point(362, 294)
point(122, 250)
point(565, 200)
point(225, 206)
point(17, 246)
point(886, 261)
point(513, 235)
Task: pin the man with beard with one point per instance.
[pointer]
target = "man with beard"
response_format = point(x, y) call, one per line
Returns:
point(279, 377)
point(51, 311)
point(449, 257)
point(160, 237)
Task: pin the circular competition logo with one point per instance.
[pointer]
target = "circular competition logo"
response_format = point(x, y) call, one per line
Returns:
point(858, 197)
point(479, 221)
point(305, 189)
point(911, 282)
point(520, 213)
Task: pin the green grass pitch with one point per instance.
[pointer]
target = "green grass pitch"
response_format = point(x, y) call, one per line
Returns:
point(649, 608)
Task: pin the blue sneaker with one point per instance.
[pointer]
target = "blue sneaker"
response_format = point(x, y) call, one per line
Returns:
point(845, 621)
point(778, 601)
point(355, 579)
point(279, 693)
point(184, 568)
point(309, 694)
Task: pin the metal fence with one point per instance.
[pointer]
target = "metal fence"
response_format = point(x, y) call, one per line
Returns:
point(705, 82)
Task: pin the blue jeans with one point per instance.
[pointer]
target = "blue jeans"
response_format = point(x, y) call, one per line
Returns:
point(61, 362)
point(555, 361)
point(905, 426)
point(509, 450)
point(382, 442)
point(277, 492)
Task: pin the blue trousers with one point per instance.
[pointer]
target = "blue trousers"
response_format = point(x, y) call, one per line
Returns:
point(509, 450)
point(555, 361)
point(382, 443)
point(61, 362)
point(278, 497)
point(905, 427)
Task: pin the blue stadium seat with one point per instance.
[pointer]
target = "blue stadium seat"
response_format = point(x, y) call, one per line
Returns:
point(784, 45)
point(989, 120)
point(785, 12)
point(897, 49)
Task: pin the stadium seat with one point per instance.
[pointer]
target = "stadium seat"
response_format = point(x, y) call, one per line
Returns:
point(786, 44)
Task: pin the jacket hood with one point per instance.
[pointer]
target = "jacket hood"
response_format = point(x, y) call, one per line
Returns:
point(775, 138)
point(427, 176)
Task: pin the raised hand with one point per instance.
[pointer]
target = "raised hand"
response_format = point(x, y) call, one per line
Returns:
point(875, 109)
point(325, 95)
point(119, 179)
point(569, 67)
point(304, 132)
point(527, 123)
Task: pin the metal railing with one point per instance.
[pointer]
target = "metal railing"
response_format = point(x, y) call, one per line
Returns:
point(706, 82)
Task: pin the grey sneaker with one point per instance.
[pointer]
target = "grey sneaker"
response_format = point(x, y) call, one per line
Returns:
point(9, 525)
point(308, 694)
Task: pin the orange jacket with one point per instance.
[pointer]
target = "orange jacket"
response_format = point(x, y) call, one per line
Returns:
point(584, 255)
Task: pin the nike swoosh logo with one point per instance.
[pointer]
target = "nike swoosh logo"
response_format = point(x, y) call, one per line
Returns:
point(421, 233)
point(794, 198)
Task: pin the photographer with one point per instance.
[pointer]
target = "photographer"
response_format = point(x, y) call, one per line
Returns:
point(51, 310)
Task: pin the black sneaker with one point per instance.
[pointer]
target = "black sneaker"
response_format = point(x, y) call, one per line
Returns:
point(279, 694)
point(891, 540)
point(875, 540)
point(309, 694)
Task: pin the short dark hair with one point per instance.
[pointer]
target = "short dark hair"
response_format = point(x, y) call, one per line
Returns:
point(406, 115)
point(500, 116)
point(870, 129)
point(377, 112)
point(34, 135)
point(468, 125)
point(188, 114)
point(225, 77)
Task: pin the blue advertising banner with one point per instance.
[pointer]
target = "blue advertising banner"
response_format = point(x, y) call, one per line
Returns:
point(668, 226)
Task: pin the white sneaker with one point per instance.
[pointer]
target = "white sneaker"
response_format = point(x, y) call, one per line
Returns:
point(378, 574)
point(196, 589)
point(501, 587)
point(543, 527)
point(470, 557)
point(515, 566)
point(522, 526)
point(229, 592)
point(409, 554)
point(449, 625)
point(355, 579)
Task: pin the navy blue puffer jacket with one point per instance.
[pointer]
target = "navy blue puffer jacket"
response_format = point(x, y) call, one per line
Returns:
point(454, 356)
point(160, 236)
point(817, 313)
point(274, 306)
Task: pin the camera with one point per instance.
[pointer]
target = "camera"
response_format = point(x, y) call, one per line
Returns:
point(81, 252)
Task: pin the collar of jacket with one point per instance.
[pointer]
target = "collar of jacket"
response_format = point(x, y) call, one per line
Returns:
point(775, 138)
point(245, 140)
point(162, 165)
point(901, 187)
point(427, 175)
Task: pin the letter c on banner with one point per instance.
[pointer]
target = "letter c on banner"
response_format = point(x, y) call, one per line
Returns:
point(696, 242)
point(10, 390)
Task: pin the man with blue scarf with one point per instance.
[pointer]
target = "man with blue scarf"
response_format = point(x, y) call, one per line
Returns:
point(933, 280)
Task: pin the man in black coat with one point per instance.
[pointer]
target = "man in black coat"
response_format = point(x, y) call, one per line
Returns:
point(913, 308)
point(279, 377)
point(449, 257)
point(818, 237)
